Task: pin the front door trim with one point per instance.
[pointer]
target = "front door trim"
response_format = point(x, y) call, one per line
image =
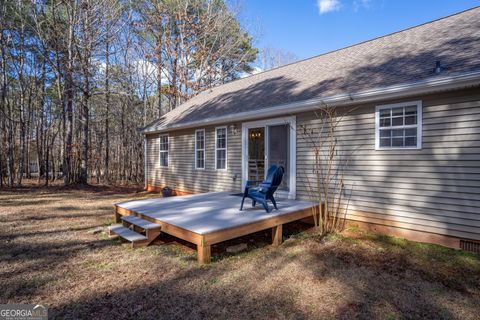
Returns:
point(292, 121)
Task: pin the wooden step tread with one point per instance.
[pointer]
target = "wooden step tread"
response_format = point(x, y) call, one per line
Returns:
point(126, 233)
point(144, 224)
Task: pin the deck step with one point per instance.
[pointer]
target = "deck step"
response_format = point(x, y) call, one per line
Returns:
point(127, 234)
point(144, 224)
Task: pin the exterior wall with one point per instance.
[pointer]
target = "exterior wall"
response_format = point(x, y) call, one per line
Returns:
point(435, 189)
point(181, 174)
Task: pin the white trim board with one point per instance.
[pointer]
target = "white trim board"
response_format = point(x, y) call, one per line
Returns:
point(292, 121)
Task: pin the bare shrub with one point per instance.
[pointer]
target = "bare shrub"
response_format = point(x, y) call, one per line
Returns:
point(325, 182)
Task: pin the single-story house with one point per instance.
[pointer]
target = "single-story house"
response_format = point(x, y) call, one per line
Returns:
point(414, 133)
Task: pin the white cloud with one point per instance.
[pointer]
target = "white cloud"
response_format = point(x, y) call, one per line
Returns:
point(325, 6)
point(359, 4)
point(255, 70)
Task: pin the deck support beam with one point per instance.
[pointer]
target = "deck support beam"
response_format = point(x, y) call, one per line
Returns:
point(118, 216)
point(277, 235)
point(204, 253)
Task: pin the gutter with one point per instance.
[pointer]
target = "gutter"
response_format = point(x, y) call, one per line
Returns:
point(396, 91)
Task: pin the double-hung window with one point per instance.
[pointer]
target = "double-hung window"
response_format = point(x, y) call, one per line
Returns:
point(221, 148)
point(163, 151)
point(399, 126)
point(200, 149)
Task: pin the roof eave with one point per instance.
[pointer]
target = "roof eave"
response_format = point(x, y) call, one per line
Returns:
point(382, 93)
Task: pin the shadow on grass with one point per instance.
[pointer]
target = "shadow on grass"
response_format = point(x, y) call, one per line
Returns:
point(38, 234)
point(36, 257)
point(373, 284)
point(107, 212)
point(212, 292)
point(396, 274)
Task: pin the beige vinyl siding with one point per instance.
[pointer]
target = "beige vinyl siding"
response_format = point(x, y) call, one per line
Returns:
point(435, 189)
point(181, 173)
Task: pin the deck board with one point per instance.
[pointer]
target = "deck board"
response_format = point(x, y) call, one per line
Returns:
point(209, 212)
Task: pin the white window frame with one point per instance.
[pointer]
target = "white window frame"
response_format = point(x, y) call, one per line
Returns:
point(226, 148)
point(196, 149)
point(160, 151)
point(418, 125)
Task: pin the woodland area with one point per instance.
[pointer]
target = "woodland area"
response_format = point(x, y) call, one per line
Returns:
point(79, 78)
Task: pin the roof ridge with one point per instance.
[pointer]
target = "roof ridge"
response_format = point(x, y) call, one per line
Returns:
point(356, 44)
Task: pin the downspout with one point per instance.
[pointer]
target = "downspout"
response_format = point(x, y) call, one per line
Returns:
point(145, 162)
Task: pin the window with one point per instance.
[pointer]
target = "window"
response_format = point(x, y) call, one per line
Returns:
point(200, 149)
point(399, 126)
point(221, 148)
point(164, 151)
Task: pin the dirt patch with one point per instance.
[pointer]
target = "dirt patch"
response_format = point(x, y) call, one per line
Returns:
point(50, 255)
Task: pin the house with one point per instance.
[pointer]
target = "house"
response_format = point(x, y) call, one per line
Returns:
point(415, 130)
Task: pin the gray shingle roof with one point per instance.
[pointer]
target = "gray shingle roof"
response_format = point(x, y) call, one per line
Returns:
point(401, 57)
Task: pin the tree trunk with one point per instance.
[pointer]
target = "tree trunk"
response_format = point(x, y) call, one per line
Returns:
point(84, 120)
point(68, 112)
point(158, 55)
point(107, 112)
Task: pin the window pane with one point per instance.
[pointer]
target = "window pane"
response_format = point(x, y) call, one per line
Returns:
point(200, 162)
point(164, 143)
point(397, 121)
point(164, 159)
point(397, 133)
point(200, 141)
point(385, 133)
point(385, 113)
point(411, 132)
point(410, 120)
point(385, 122)
point(411, 111)
point(397, 111)
point(411, 142)
point(385, 142)
point(397, 142)
point(221, 161)
point(221, 138)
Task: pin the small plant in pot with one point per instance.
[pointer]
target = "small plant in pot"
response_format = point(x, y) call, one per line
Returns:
point(167, 192)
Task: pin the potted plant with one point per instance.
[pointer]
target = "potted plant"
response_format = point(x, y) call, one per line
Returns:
point(167, 192)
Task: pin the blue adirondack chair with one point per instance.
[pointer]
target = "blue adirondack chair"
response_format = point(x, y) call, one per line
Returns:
point(264, 191)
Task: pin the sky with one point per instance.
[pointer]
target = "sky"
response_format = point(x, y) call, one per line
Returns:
point(311, 27)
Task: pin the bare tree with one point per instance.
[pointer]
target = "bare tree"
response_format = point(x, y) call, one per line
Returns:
point(326, 184)
point(270, 58)
point(79, 77)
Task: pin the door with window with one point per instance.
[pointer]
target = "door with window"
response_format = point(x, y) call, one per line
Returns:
point(266, 144)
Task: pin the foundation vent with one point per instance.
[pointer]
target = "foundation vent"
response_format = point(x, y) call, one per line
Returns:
point(469, 245)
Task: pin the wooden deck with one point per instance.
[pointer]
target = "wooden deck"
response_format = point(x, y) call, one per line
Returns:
point(209, 218)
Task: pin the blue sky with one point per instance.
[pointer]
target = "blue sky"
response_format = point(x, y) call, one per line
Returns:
point(311, 27)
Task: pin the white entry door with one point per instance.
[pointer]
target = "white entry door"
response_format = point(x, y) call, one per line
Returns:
point(269, 142)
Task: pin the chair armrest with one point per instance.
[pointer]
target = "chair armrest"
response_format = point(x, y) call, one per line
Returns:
point(253, 182)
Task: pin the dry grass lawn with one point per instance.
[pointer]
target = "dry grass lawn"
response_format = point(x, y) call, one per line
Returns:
point(49, 255)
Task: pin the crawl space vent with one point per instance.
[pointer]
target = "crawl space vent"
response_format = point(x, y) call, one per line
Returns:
point(469, 245)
